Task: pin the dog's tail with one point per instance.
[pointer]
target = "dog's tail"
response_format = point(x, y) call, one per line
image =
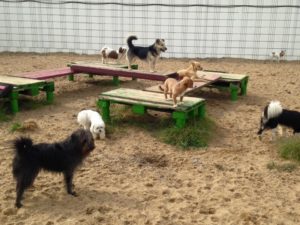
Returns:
point(22, 145)
point(130, 39)
point(273, 110)
point(161, 87)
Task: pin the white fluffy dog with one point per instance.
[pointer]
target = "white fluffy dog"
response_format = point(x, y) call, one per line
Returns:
point(92, 120)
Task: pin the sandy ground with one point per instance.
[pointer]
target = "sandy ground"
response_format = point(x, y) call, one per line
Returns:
point(132, 178)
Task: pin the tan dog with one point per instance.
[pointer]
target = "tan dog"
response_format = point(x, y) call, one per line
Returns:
point(191, 71)
point(175, 88)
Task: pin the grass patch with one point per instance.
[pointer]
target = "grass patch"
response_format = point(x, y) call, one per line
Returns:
point(4, 116)
point(286, 167)
point(196, 134)
point(289, 148)
point(15, 127)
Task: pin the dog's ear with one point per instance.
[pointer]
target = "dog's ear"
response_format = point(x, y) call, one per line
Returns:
point(157, 41)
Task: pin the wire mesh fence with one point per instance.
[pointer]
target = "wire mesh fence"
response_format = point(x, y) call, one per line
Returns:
point(192, 29)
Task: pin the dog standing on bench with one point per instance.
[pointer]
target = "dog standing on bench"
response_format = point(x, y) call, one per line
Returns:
point(175, 88)
point(191, 71)
point(109, 53)
point(149, 54)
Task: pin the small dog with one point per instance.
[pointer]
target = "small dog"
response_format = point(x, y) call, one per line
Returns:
point(176, 88)
point(278, 55)
point(91, 120)
point(62, 157)
point(149, 54)
point(191, 71)
point(109, 53)
point(274, 115)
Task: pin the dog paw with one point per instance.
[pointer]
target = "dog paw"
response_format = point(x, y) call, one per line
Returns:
point(18, 205)
point(73, 193)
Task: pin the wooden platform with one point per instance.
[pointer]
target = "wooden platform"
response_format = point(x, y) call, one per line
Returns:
point(27, 86)
point(115, 70)
point(235, 83)
point(47, 74)
point(198, 84)
point(143, 100)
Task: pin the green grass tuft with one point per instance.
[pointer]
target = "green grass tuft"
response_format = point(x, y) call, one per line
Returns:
point(289, 148)
point(15, 127)
point(196, 134)
point(286, 167)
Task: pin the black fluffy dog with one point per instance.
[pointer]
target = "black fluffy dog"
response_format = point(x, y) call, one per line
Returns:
point(62, 157)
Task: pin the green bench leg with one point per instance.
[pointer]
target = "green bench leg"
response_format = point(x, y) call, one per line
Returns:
point(91, 75)
point(71, 77)
point(104, 105)
point(116, 80)
point(180, 118)
point(50, 92)
point(201, 111)
point(14, 102)
point(244, 84)
point(34, 90)
point(234, 92)
point(139, 109)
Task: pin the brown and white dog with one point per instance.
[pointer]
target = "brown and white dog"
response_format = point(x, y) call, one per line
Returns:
point(175, 88)
point(278, 55)
point(191, 71)
point(109, 53)
point(149, 54)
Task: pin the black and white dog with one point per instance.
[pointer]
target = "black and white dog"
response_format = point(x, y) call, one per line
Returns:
point(274, 115)
point(149, 54)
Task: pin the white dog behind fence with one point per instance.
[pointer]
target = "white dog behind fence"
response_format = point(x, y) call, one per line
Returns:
point(91, 120)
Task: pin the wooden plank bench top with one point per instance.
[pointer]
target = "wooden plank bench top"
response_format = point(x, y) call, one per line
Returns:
point(114, 70)
point(148, 99)
point(198, 84)
point(229, 77)
point(19, 81)
point(47, 74)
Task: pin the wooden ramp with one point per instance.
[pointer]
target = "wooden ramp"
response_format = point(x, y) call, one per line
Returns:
point(235, 83)
point(143, 100)
point(26, 86)
point(198, 84)
point(115, 70)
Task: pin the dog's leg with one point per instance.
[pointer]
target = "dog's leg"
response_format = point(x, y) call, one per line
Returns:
point(20, 191)
point(23, 182)
point(181, 98)
point(69, 182)
point(175, 101)
point(273, 134)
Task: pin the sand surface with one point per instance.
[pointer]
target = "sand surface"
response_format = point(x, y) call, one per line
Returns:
point(133, 178)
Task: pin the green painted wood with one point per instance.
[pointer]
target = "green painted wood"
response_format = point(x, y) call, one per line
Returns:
point(14, 102)
point(71, 77)
point(139, 109)
point(244, 84)
point(234, 90)
point(116, 80)
point(104, 105)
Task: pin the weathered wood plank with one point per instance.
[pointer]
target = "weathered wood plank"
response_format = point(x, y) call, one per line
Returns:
point(106, 70)
point(47, 74)
point(150, 99)
point(18, 81)
point(223, 76)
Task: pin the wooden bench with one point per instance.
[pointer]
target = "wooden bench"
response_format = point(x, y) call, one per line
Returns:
point(143, 100)
point(236, 83)
point(48, 74)
point(27, 86)
point(117, 70)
